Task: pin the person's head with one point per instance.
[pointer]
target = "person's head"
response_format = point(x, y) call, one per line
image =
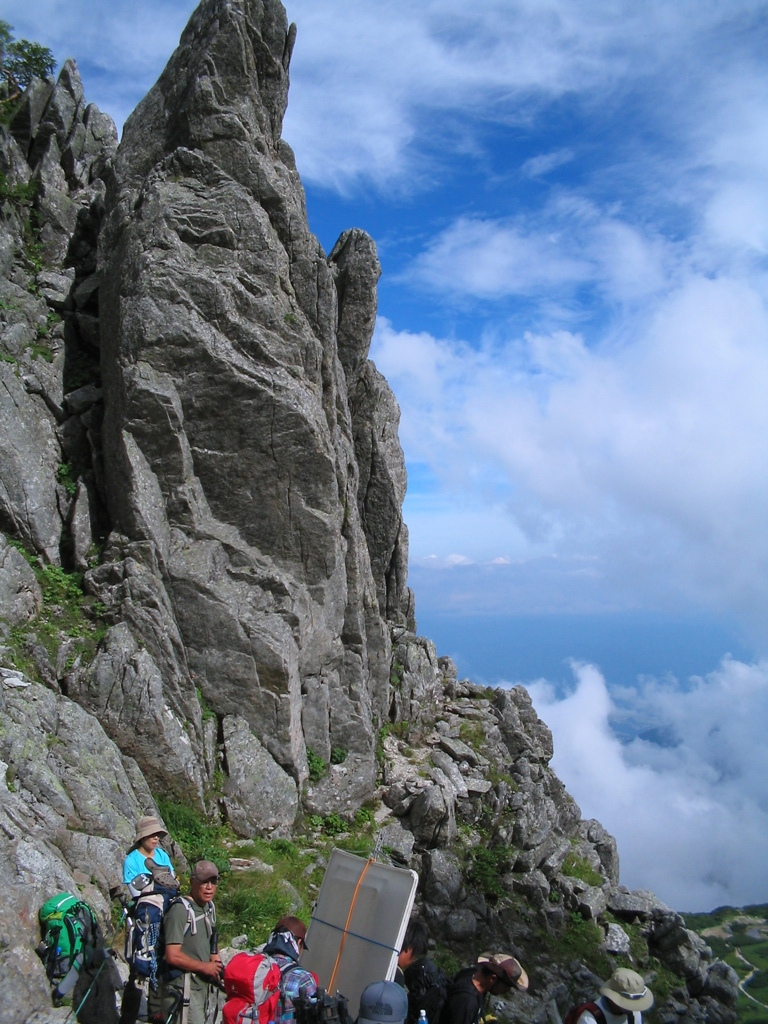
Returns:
point(203, 881)
point(383, 1002)
point(499, 973)
point(625, 991)
point(415, 943)
point(289, 937)
point(149, 832)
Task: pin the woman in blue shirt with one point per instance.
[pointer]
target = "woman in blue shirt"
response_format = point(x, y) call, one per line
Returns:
point(149, 832)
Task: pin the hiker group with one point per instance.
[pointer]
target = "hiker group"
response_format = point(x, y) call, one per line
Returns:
point(176, 973)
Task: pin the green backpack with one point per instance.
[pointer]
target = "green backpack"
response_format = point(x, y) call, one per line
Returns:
point(69, 938)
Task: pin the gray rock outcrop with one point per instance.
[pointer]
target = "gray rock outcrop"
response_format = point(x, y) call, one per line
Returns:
point(266, 509)
point(68, 803)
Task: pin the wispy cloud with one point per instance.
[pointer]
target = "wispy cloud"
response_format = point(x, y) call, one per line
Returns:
point(371, 82)
point(549, 255)
point(648, 452)
point(688, 804)
point(544, 163)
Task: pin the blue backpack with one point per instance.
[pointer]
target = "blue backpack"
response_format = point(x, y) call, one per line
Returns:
point(144, 936)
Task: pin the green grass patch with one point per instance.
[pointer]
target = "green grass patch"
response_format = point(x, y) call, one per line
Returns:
point(198, 838)
point(18, 194)
point(580, 940)
point(487, 865)
point(251, 902)
point(577, 867)
point(396, 674)
point(472, 734)
point(67, 616)
point(65, 475)
point(317, 766)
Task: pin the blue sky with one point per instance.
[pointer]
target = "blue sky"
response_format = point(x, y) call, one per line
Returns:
point(570, 206)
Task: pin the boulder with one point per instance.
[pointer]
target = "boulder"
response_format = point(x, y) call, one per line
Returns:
point(258, 794)
point(20, 596)
point(442, 878)
point(432, 817)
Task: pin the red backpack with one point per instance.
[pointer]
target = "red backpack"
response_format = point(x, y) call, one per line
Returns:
point(576, 1011)
point(253, 984)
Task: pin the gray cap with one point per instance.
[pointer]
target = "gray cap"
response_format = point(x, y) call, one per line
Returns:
point(383, 1002)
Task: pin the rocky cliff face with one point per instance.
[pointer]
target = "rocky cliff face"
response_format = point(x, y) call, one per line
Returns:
point(190, 421)
point(245, 487)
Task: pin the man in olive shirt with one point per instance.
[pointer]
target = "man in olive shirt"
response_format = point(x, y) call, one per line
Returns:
point(187, 929)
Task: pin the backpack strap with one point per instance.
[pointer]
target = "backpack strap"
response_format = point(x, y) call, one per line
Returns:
point(593, 1008)
point(208, 915)
point(284, 971)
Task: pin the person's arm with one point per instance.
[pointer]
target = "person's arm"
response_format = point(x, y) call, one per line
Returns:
point(308, 986)
point(182, 962)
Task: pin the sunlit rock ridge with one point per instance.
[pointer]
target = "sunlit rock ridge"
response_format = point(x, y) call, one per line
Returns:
point(189, 418)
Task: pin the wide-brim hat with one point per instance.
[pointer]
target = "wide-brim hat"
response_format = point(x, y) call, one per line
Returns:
point(149, 825)
point(628, 990)
point(506, 968)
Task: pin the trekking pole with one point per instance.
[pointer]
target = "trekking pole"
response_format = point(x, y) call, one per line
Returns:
point(176, 1004)
point(107, 947)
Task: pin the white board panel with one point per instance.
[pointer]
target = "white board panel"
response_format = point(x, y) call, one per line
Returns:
point(358, 924)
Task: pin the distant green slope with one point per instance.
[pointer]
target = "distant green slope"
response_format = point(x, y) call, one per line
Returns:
point(740, 937)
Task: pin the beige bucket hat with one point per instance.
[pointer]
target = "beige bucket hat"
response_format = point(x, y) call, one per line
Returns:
point(628, 990)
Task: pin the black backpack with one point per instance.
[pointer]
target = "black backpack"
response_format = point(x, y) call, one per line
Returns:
point(427, 986)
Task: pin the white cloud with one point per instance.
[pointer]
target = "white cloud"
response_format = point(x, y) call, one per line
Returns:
point(547, 255)
point(691, 816)
point(544, 163)
point(491, 259)
point(646, 450)
point(374, 82)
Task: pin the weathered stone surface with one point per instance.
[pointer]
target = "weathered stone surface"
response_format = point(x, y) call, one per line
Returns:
point(67, 811)
point(443, 883)
point(591, 902)
point(228, 433)
point(616, 940)
point(533, 885)
point(29, 455)
point(76, 402)
point(477, 786)
point(416, 681)
point(636, 905)
point(552, 863)
point(344, 788)
point(461, 751)
point(258, 795)
point(461, 924)
point(20, 595)
point(399, 841)
point(604, 845)
point(124, 688)
point(523, 730)
point(450, 770)
point(55, 286)
point(432, 817)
